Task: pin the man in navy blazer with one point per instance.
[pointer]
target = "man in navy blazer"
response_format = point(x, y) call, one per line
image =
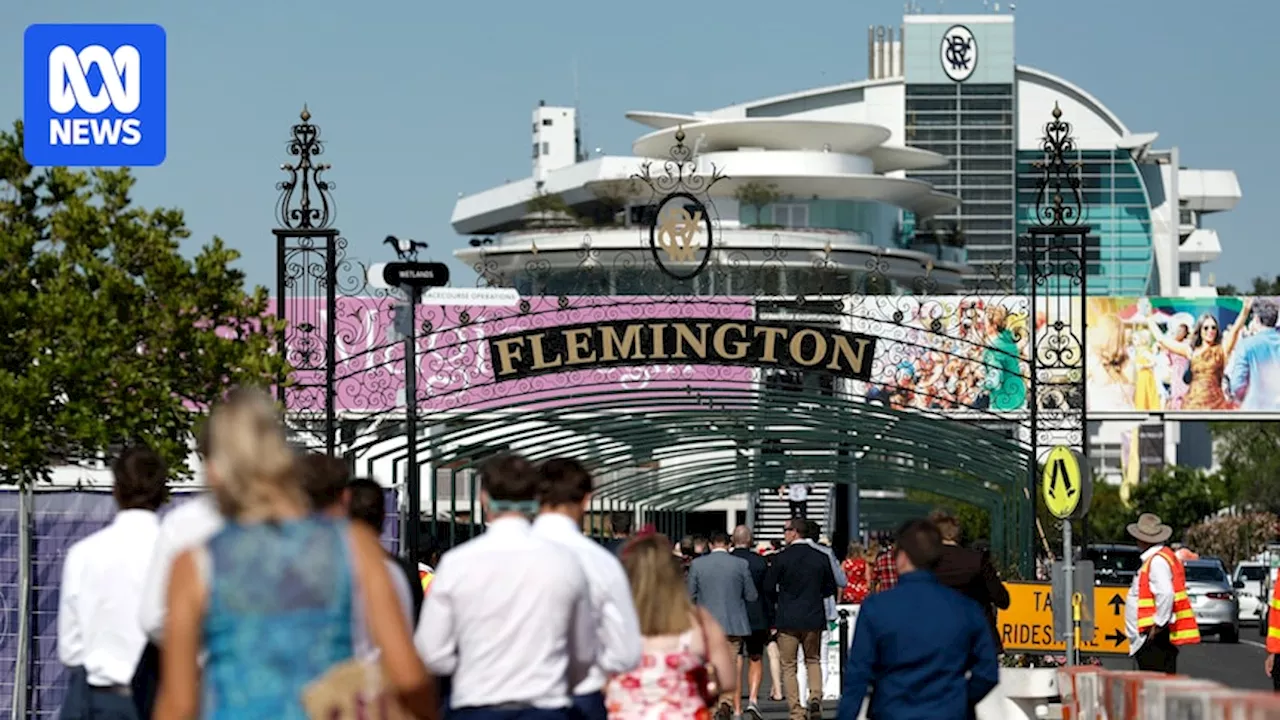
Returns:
point(922, 650)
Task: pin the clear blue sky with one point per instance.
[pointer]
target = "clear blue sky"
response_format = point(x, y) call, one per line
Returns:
point(419, 101)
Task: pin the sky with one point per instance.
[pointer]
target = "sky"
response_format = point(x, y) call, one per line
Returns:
point(421, 101)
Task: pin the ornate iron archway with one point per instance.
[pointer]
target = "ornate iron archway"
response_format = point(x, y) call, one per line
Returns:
point(890, 430)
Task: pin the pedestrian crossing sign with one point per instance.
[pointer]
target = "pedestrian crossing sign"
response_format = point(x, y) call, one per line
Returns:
point(1065, 483)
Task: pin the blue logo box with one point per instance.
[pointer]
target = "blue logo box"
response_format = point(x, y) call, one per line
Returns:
point(94, 95)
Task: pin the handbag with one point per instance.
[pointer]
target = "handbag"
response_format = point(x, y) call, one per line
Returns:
point(704, 676)
point(352, 690)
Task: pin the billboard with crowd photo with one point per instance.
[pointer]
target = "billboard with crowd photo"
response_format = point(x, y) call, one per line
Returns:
point(946, 354)
point(1192, 355)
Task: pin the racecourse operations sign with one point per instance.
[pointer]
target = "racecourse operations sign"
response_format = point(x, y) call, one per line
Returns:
point(1027, 626)
point(691, 342)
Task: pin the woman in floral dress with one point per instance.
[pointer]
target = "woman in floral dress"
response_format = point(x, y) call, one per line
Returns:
point(682, 644)
point(857, 573)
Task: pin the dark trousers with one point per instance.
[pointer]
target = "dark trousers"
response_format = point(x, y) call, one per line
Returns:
point(797, 508)
point(1275, 675)
point(146, 680)
point(84, 702)
point(498, 712)
point(1158, 653)
point(589, 707)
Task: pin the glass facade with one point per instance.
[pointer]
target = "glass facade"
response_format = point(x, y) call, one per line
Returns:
point(972, 125)
point(1118, 208)
point(878, 221)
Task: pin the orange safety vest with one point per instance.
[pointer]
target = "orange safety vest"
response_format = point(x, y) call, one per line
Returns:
point(426, 578)
point(1183, 629)
point(1273, 621)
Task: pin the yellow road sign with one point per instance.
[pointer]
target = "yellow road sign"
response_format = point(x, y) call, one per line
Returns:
point(1062, 482)
point(1027, 626)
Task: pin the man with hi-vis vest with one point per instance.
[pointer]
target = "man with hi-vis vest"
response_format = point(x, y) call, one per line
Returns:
point(1273, 637)
point(1157, 613)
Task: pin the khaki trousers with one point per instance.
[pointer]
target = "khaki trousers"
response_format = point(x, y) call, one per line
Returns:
point(726, 698)
point(790, 643)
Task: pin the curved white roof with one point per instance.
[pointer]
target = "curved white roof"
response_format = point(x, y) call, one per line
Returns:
point(715, 135)
point(660, 120)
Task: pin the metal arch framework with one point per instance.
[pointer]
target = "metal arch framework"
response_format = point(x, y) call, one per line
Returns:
point(669, 451)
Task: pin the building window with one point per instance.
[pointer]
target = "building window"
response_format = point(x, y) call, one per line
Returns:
point(546, 122)
point(1188, 217)
point(791, 216)
point(546, 148)
point(1185, 272)
point(1106, 459)
point(535, 151)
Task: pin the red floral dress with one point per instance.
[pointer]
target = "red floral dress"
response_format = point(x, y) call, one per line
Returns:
point(663, 687)
point(855, 572)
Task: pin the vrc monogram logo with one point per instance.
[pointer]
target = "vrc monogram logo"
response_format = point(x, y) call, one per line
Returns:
point(94, 95)
point(959, 53)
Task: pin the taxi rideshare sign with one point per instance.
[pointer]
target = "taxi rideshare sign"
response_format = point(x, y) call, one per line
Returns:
point(1027, 626)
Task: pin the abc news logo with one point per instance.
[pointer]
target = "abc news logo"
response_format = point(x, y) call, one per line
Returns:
point(121, 90)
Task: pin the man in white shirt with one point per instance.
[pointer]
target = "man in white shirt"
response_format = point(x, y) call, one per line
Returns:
point(564, 492)
point(1152, 650)
point(509, 613)
point(102, 580)
point(798, 499)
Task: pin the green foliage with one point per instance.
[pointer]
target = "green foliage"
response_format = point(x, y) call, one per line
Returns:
point(757, 195)
point(1233, 537)
point(545, 204)
point(110, 333)
point(1181, 496)
point(975, 522)
point(1250, 461)
point(1259, 286)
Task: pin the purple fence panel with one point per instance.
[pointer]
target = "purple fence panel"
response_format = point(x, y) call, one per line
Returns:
point(61, 519)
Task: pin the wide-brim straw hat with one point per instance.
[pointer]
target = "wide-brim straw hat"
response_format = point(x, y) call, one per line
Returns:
point(1149, 529)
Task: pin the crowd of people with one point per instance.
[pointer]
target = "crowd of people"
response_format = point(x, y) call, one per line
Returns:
point(271, 596)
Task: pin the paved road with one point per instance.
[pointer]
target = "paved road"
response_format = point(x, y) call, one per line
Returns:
point(1237, 666)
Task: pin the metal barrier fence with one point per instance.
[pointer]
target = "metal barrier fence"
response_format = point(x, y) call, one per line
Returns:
point(54, 519)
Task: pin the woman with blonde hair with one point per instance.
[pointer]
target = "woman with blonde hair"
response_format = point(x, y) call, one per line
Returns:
point(272, 597)
point(687, 661)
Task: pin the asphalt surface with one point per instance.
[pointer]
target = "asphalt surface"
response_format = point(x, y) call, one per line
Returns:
point(1234, 665)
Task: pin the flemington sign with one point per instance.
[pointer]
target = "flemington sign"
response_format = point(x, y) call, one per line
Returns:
point(693, 341)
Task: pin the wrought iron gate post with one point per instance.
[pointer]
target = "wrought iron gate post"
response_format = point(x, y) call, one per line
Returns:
point(308, 252)
point(1056, 250)
point(413, 478)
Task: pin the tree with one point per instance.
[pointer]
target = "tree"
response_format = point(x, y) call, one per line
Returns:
point(1260, 286)
point(1181, 496)
point(757, 195)
point(1233, 537)
point(111, 335)
point(547, 205)
point(613, 197)
point(1250, 457)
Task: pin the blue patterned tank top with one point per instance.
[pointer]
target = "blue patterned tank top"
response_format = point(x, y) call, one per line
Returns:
point(279, 615)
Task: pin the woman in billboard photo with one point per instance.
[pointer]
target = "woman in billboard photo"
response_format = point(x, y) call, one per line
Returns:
point(1207, 348)
point(1110, 367)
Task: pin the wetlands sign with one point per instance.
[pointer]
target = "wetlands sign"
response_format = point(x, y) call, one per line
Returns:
point(692, 341)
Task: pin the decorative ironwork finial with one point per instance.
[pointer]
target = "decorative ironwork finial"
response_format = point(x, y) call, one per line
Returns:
point(306, 200)
point(1059, 202)
point(679, 172)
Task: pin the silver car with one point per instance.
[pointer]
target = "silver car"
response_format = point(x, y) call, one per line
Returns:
point(1213, 599)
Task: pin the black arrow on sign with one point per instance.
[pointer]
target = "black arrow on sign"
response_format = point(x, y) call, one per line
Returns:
point(1117, 603)
point(1117, 637)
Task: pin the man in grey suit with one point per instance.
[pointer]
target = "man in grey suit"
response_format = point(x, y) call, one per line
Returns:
point(722, 584)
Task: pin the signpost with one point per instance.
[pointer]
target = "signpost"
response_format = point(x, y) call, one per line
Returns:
point(1027, 626)
point(1067, 488)
point(411, 277)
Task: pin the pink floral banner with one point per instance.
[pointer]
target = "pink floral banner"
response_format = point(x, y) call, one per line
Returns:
point(455, 370)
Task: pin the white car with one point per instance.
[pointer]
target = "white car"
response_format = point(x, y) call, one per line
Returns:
point(1253, 594)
